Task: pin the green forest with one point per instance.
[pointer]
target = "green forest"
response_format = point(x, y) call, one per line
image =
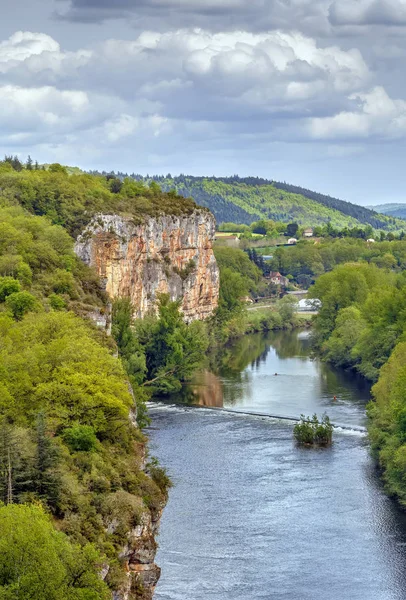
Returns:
point(362, 325)
point(244, 200)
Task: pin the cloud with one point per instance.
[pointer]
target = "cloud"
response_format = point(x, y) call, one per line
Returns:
point(368, 12)
point(377, 116)
point(196, 75)
point(214, 15)
point(190, 93)
point(23, 44)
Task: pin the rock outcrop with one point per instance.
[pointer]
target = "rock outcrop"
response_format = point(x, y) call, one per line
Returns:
point(138, 557)
point(166, 254)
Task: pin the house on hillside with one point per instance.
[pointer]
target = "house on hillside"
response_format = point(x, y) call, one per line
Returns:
point(308, 233)
point(278, 279)
point(371, 241)
point(232, 241)
point(292, 241)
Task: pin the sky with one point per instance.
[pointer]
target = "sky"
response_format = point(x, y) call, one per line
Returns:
point(311, 92)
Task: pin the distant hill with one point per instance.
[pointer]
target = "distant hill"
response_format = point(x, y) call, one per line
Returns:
point(392, 210)
point(244, 200)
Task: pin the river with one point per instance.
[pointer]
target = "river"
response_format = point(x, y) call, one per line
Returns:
point(251, 515)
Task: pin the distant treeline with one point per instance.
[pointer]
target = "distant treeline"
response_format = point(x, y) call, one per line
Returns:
point(245, 199)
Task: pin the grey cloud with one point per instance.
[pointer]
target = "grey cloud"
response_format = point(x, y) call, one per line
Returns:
point(215, 15)
point(368, 12)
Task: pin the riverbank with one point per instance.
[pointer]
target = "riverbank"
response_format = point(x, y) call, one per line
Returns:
point(281, 315)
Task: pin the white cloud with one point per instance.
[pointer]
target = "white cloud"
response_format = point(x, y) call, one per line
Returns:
point(377, 116)
point(23, 44)
point(191, 89)
point(201, 75)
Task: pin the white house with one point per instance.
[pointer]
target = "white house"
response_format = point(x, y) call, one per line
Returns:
point(308, 232)
point(371, 241)
point(292, 241)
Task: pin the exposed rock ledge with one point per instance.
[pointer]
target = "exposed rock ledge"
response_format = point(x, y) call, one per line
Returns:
point(166, 254)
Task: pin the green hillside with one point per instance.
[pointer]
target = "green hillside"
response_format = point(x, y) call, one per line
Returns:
point(247, 200)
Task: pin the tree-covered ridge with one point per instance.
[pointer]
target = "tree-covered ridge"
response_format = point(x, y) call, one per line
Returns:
point(66, 439)
point(244, 200)
point(72, 200)
point(391, 210)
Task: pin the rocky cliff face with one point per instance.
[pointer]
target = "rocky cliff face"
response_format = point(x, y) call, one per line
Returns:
point(166, 254)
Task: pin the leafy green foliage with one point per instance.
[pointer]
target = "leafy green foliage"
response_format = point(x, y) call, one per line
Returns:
point(8, 286)
point(311, 260)
point(312, 432)
point(66, 438)
point(36, 561)
point(362, 324)
point(20, 303)
point(72, 200)
point(387, 428)
point(173, 349)
point(238, 277)
point(37, 263)
point(80, 438)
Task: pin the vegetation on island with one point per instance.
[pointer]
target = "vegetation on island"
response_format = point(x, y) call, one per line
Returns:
point(313, 432)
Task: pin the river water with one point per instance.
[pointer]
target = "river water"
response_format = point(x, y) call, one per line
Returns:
point(253, 516)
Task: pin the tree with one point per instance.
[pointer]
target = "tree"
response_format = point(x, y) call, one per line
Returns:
point(8, 286)
point(36, 561)
point(16, 461)
point(46, 478)
point(292, 229)
point(28, 164)
point(173, 349)
point(115, 185)
point(233, 287)
point(19, 303)
point(57, 168)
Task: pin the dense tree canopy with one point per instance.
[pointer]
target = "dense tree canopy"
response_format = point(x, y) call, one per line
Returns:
point(36, 561)
point(71, 200)
point(362, 325)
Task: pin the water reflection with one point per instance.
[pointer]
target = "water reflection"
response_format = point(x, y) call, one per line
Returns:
point(275, 374)
point(206, 390)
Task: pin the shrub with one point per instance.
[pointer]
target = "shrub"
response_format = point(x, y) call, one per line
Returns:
point(312, 432)
point(8, 286)
point(56, 302)
point(80, 438)
point(20, 303)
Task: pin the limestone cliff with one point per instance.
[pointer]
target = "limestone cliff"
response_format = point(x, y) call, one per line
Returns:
point(165, 254)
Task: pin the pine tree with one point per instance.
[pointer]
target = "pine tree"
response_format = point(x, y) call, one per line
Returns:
point(28, 164)
point(45, 471)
